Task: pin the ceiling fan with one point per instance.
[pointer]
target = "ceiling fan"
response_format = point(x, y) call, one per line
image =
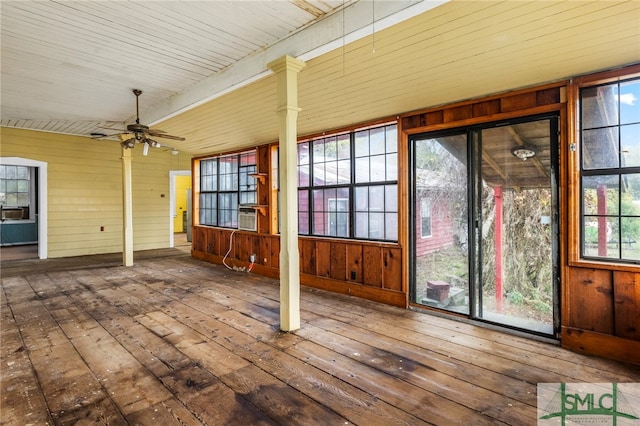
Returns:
point(140, 133)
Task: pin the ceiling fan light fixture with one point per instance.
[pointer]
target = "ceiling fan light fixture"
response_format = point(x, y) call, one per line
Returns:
point(175, 151)
point(145, 148)
point(523, 152)
point(129, 143)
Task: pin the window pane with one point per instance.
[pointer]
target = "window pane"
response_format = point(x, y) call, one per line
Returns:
point(630, 102)
point(630, 238)
point(23, 200)
point(344, 147)
point(303, 212)
point(303, 175)
point(318, 151)
point(392, 167)
point(344, 171)
point(599, 106)
point(598, 231)
point(376, 198)
point(23, 186)
point(600, 148)
point(377, 141)
point(362, 199)
point(362, 169)
point(12, 199)
point(3, 171)
point(12, 172)
point(362, 225)
point(23, 172)
point(376, 226)
point(362, 143)
point(391, 226)
point(391, 198)
point(12, 185)
point(600, 195)
point(392, 138)
point(377, 168)
point(630, 201)
point(630, 145)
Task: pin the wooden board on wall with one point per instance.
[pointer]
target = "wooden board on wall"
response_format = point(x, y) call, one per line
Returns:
point(307, 256)
point(323, 261)
point(354, 263)
point(391, 275)
point(626, 290)
point(372, 266)
point(338, 261)
point(590, 300)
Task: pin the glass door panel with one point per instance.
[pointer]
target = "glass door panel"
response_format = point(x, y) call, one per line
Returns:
point(516, 204)
point(440, 219)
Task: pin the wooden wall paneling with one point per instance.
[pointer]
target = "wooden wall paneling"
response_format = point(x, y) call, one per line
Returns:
point(483, 109)
point(242, 245)
point(372, 266)
point(354, 263)
point(323, 259)
point(518, 102)
point(199, 239)
point(275, 251)
point(338, 254)
point(590, 304)
point(307, 256)
point(458, 113)
point(626, 302)
point(392, 268)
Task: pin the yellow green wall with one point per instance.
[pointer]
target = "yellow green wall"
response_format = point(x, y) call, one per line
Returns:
point(85, 191)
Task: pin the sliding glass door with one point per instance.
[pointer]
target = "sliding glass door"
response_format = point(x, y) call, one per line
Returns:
point(484, 210)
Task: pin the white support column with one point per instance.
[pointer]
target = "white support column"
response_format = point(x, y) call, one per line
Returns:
point(127, 209)
point(286, 70)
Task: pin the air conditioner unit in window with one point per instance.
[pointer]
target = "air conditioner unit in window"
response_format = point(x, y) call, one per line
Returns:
point(247, 218)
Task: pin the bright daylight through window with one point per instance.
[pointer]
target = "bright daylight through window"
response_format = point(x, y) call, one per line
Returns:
point(610, 171)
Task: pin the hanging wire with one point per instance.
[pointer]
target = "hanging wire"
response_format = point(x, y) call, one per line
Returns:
point(373, 24)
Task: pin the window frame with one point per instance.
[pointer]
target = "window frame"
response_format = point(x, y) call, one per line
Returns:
point(307, 169)
point(25, 211)
point(233, 185)
point(575, 171)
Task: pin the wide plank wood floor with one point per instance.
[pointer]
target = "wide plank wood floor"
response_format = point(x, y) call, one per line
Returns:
point(173, 340)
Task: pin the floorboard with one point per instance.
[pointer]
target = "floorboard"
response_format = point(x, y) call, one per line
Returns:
point(172, 340)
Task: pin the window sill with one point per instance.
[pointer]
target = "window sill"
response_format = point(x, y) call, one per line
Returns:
point(606, 265)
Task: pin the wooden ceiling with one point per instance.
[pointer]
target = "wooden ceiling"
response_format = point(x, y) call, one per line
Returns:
point(70, 66)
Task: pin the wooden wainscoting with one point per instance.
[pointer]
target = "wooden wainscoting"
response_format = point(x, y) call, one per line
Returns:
point(369, 270)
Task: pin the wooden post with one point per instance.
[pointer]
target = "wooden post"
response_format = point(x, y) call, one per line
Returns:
point(286, 70)
point(601, 192)
point(497, 196)
point(127, 209)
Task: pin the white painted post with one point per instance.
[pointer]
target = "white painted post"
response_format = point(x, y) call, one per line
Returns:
point(127, 209)
point(286, 70)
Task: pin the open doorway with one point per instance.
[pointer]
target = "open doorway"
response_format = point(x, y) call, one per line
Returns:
point(180, 208)
point(23, 207)
point(484, 223)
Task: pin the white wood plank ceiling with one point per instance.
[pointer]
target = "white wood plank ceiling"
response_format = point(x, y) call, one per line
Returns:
point(70, 66)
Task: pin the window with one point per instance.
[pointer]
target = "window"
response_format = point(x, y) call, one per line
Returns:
point(225, 183)
point(348, 185)
point(610, 170)
point(15, 191)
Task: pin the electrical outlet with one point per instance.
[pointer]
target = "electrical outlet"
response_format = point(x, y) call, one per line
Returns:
point(252, 258)
point(353, 275)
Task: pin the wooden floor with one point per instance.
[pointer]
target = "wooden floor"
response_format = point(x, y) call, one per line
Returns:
point(173, 340)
